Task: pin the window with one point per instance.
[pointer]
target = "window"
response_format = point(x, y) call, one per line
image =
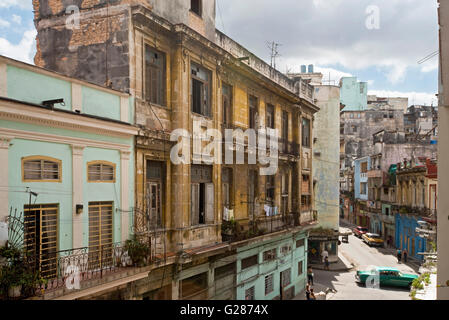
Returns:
point(43, 169)
point(100, 234)
point(300, 268)
point(195, 288)
point(226, 178)
point(155, 82)
point(249, 293)
point(227, 103)
point(305, 203)
point(286, 277)
point(364, 167)
point(305, 133)
point(224, 271)
point(270, 116)
point(201, 90)
point(249, 262)
point(354, 129)
point(269, 284)
point(363, 188)
point(196, 6)
point(253, 115)
point(270, 187)
point(269, 255)
point(202, 204)
point(40, 237)
point(155, 184)
point(300, 243)
point(100, 171)
point(285, 131)
point(286, 249)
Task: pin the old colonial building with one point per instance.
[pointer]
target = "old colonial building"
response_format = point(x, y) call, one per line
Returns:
point(201, 218)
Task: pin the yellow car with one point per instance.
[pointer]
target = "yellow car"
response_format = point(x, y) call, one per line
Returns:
point(373, 239)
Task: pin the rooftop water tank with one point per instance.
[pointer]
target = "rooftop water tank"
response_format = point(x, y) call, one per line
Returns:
point(310, 68)
point(303, 69)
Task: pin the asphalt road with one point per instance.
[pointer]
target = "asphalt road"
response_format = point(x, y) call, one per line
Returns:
point(362, 256)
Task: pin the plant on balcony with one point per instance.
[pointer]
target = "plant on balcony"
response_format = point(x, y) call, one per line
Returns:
point(137, 251)
point(17, 276)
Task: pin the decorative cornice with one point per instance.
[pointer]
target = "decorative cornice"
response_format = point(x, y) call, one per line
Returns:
point(15, 111)
point(125, 155)
point(31, 135)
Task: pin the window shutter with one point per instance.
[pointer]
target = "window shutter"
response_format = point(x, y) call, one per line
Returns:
point(195, 217)
point(210, 216)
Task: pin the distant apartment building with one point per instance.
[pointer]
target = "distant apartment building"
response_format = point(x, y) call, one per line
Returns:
point(326, 164)
point(416, 200)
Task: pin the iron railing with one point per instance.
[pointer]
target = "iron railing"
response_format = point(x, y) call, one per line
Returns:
point(86, 264)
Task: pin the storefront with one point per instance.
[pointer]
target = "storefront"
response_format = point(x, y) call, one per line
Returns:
point(319, 243)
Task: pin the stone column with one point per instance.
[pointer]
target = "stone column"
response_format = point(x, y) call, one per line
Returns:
point(77, 185)
point(4, 202)
point(180, 191)
point(124, 170)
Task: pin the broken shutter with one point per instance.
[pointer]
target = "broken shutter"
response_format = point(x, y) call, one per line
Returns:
point(195, 210)
point(210, 216)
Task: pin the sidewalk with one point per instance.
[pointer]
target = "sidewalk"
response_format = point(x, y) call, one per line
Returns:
point(342, 265)
point(317, 289)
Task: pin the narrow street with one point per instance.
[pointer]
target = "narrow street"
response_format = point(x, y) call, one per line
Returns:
point(362, 256)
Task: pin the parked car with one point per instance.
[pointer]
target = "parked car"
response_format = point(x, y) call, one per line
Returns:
point(359, 231)
point(373, 239)
point(387, 277)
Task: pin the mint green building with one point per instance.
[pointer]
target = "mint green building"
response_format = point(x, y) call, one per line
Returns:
point(67, 168)
point(273, 268)
point(353, 94)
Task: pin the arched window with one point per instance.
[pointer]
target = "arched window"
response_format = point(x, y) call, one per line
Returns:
point(101, 171)
point(41, 169)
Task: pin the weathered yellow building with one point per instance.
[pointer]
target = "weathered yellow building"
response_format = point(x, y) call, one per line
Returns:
point(183, 72)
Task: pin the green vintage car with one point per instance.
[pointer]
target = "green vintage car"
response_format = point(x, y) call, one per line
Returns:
point(387, 277)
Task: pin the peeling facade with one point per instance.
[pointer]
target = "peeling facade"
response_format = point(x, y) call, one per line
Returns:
point(167, 56)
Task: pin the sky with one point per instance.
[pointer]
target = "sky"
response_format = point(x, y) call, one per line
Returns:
point(377, 41)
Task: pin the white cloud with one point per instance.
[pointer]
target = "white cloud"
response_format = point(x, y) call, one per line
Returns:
point(4, 23)
point(334, 32)
point(22, 4)
point(417, 98)
point(22, 51)
point(17, 19)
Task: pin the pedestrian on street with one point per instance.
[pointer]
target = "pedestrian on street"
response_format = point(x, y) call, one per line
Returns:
point(308, 291)
point(324, 254)
point(310, 275)
point(312, 295)
point(405, 255)
point(326, 263)
point(399, 255)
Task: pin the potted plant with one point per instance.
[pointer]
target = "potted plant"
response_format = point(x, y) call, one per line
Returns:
point(137, 251)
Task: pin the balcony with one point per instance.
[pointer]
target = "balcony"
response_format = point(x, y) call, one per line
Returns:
point(375, 174)
point(67, 272)
point(288, 148)
point(265, 225)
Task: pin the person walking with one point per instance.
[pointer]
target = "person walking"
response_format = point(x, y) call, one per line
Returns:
point(404, 253)
point(312, 295)
point(310, 275)
point(399, 255)
point(326, 263)
point(308, 291)
point(324, 254)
